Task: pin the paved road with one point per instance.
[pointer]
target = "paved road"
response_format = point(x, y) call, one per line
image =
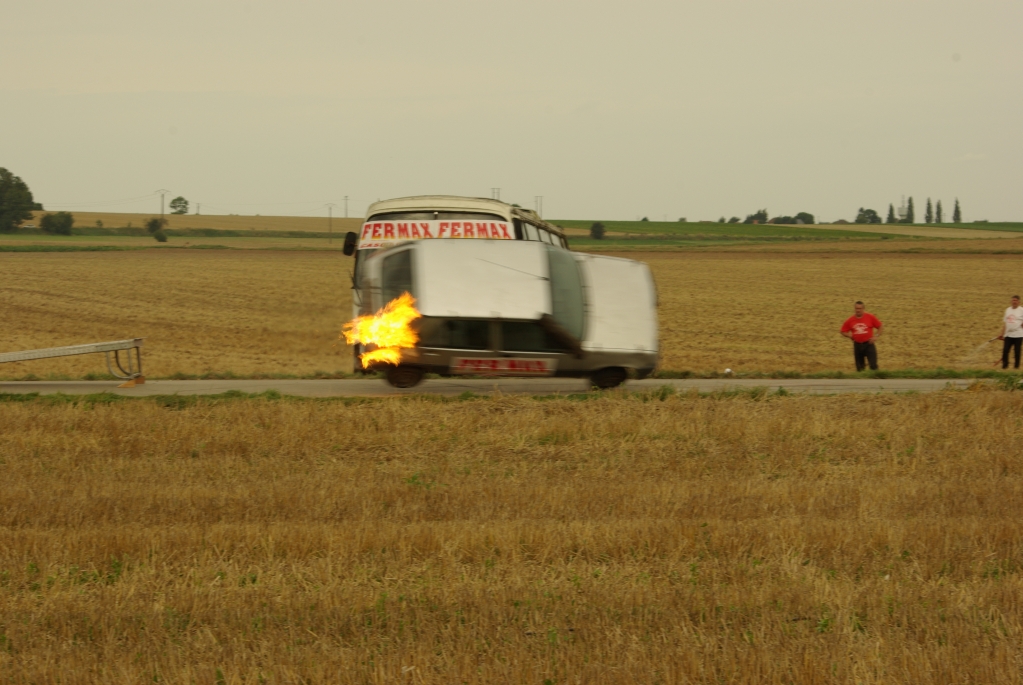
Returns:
point(453, 386)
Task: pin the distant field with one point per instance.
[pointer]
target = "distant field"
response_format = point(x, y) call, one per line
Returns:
point(265, 312)
point(613, 540)
point(87, 220)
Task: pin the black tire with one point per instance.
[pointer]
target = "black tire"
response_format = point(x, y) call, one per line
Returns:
point(609, 377)
point(402, 376)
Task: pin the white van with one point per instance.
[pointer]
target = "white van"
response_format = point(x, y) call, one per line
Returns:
point(507, 307)
point(443, 217)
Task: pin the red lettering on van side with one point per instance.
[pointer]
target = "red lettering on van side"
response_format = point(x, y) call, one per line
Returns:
point(504, 230)
point(481, 231)
point(467, 231)
point(444, 225)
point(403, 230)
point(415, 232)
point(456, 229)
point(376, 231)
point(366, 229)
point(388, 230)
point(426, 230)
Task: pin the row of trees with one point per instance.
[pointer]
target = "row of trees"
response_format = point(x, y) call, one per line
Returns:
point(933, 214)
point(17, 206)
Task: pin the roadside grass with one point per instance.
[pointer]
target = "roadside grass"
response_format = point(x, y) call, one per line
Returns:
point(939, 373)
point(609, 538)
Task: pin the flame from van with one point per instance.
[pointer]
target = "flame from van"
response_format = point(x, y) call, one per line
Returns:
point(388, 329)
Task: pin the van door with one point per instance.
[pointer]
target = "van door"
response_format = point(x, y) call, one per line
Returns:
point(525, 348)
point(452, 345)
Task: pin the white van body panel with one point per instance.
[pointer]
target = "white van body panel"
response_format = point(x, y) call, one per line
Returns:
point(621, 305)
point(488, 279)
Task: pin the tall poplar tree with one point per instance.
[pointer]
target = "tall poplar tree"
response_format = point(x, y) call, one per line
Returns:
point(910, 213)
point(938, 217)
point(929, 213)
point(957, 215)
point(891, 214)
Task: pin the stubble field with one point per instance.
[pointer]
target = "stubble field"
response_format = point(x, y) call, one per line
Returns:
point(261, 312)
point(620, 539)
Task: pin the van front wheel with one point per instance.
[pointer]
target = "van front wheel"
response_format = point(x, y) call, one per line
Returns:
point(402, 376)
point(610, 377)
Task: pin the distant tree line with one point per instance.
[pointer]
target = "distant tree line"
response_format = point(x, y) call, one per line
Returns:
point(761, 217)
point(16, 202)
point(933, 214)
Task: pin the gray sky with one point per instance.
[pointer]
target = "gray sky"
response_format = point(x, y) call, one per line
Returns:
point(610, 110)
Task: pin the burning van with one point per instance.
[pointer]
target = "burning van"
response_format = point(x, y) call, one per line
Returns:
point(474, 295)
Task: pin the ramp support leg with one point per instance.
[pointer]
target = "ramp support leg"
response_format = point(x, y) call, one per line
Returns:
point(133, 374)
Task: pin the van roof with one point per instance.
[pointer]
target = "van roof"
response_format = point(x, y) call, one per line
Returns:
point(457, 203)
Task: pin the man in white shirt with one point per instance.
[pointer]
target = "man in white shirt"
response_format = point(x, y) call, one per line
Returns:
point(1012, 332)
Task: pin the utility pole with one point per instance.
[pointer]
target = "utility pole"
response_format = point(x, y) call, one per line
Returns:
point(538, 201)
point(163, 193)
point(346, 206)
point(330, 223)
point(495, 193)
point(198, 208)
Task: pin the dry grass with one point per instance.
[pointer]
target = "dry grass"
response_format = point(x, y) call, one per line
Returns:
point(250, 312)
point(848, 539)
point(782, 312)
point(263, 312)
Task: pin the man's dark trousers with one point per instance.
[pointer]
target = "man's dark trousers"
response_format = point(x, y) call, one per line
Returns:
point(865, 352)
point(1014, 344)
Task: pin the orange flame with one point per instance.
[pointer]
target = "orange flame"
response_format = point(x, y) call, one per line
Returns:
point(388, 330)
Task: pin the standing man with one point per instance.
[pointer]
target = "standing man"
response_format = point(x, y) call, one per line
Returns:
point(1012, 332)
point(863, 328)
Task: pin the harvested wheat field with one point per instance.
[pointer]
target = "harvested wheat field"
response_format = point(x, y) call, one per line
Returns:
point(620, 539)
point(244, 311)
point(257, 312)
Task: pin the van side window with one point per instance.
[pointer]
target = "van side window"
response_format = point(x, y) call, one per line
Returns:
point(527, 336)
point(518, 230)
point(531, 232)
point(396, 275)
point(461, 334)
point(546, 237)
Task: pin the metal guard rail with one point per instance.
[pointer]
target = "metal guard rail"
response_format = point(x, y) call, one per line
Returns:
point(132, 373)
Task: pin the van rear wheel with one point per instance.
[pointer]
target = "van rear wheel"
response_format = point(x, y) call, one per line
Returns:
point(402, 376)
point(610, 377)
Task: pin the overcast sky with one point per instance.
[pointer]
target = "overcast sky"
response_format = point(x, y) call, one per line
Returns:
point(611, 110)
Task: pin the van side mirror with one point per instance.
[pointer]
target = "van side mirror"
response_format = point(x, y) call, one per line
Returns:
point(350, 240)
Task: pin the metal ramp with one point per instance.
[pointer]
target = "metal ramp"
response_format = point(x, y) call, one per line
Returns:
point(111, 351)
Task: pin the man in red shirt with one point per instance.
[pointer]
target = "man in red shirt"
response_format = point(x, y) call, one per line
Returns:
point(863, 329)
